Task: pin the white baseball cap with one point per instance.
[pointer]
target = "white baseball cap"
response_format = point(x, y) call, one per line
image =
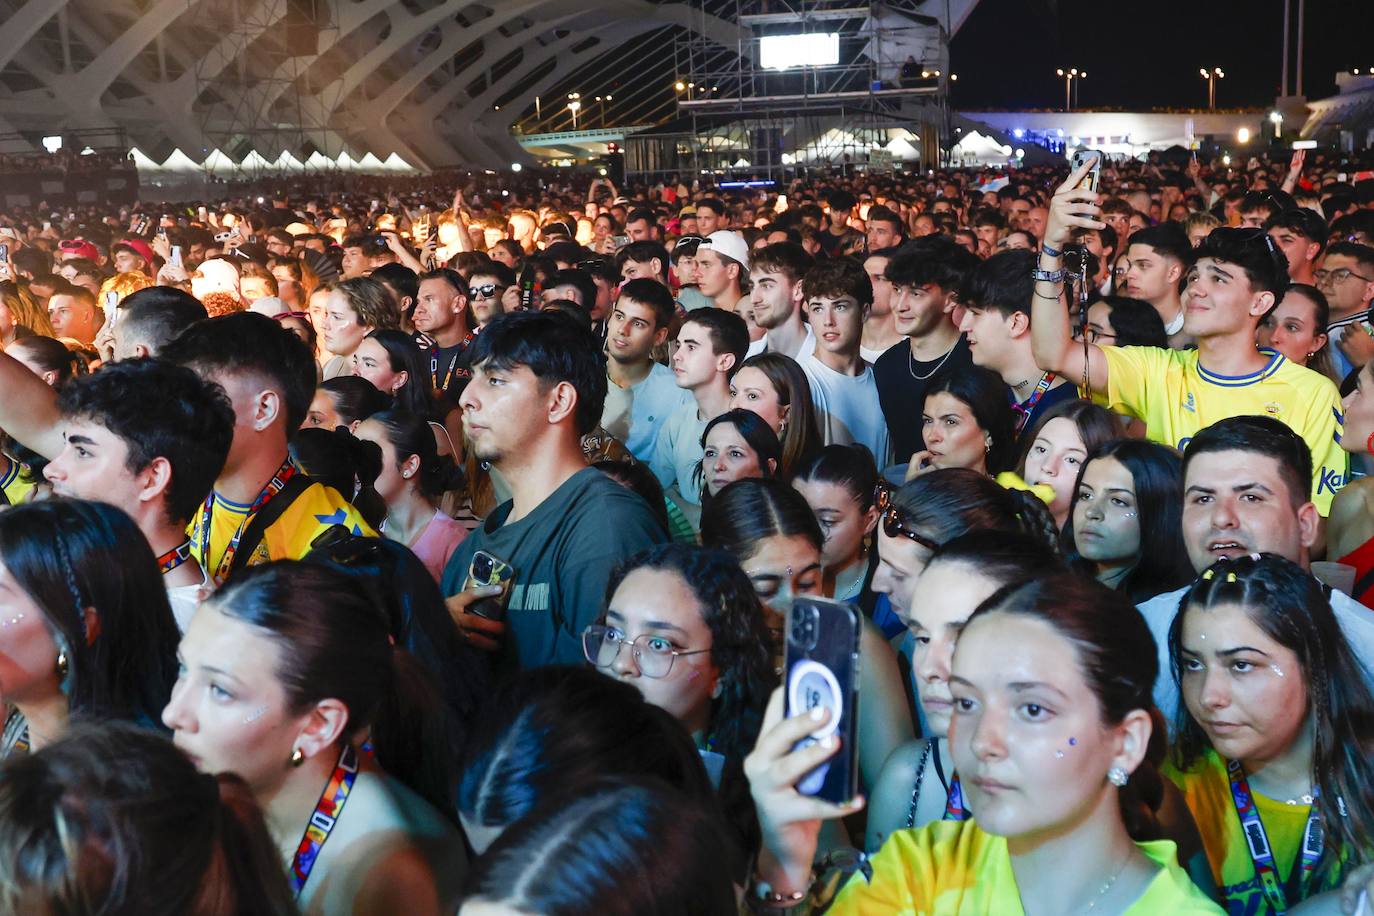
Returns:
point(730, 244)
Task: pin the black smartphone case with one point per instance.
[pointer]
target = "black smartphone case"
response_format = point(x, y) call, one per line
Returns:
point(823, 658)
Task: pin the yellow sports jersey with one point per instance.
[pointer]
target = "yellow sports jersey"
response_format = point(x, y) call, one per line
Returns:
point(953, 867)
point(1207, 790)
point(288, 538)
point(1176, 397)
point(16, 489)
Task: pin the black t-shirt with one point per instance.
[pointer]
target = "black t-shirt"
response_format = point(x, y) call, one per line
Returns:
point(902, 385)
point(450, 368)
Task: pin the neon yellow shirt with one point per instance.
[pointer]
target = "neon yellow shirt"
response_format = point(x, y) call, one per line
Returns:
point(288, 538)
point(953, 868)
point(1176, 397)
point(1207, 790)
point(12, 483)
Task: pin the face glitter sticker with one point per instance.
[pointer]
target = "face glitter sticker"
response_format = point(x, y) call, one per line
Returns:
point(12, 621)
point(1277, 670)
point(1073, 742)
point(255, 715)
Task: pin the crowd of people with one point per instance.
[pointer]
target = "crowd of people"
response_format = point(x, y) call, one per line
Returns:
point(397, 549)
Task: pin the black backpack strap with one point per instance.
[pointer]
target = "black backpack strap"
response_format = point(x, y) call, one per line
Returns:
point(1363, 584)
point(939, 765)
point(253, 534)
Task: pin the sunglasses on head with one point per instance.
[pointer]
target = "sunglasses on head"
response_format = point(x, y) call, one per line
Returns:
point(891, 518)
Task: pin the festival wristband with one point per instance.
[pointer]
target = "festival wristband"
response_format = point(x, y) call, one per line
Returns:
point(1048, 276)
point(1047, 248)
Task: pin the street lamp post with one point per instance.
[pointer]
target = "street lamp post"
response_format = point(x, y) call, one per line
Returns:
point(1276, 119)
point(1211, 76)
point(574, 105)
point(1069, 76)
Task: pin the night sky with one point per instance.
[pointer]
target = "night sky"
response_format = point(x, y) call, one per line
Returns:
point(1143, 54)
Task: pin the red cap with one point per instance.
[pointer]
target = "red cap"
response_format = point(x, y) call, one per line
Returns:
point(80, 248)
point(137, 246)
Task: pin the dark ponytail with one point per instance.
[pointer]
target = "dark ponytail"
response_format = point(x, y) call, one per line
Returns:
point(335, 643)
point(350, 465)
point(410, 434)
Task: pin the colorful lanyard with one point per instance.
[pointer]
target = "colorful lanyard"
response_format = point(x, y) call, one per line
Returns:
point(1023, 411)
point(954, 805)
point(322, 821)
point(274, 486)
point(452, 366)
point(1262, 854)
point(174, 557)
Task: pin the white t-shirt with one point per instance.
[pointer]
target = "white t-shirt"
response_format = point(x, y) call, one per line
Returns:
point(1356, 621)
point(847, 408)
point(184, 600)
point(761, 346)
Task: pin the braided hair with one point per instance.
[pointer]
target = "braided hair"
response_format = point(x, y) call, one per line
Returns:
point(1292, 608)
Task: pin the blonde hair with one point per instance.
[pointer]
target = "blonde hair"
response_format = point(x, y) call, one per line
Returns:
point(125, 284)
point(25, 309)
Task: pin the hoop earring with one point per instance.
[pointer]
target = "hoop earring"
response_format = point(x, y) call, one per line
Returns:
point(297, 757)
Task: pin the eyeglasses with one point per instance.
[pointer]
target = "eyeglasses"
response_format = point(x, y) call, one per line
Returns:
point(1093, 335)
point(891, 518)
point(1339, 275)
point(653, 654)
point(485, 291)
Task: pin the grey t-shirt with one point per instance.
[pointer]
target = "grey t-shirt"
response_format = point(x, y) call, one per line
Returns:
point(563, 553)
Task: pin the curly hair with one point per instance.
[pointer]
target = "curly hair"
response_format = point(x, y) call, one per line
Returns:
point(739, 638)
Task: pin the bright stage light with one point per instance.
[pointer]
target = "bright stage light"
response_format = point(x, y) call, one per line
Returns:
point(818, 49)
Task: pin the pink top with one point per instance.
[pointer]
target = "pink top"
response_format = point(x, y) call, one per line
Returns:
point(437, 542)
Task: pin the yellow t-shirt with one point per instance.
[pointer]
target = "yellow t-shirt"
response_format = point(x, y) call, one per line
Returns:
point(1176, 397)
point(288, 538)
point(1207, 790)
point(15, 487)
point(953, 868)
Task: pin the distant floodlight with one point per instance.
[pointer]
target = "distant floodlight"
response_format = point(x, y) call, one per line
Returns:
point(515, 166)
point(52, 144)
point(601, 172)
point(1243, 135)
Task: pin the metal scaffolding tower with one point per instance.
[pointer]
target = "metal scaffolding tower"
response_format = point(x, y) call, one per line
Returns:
point(880, 97)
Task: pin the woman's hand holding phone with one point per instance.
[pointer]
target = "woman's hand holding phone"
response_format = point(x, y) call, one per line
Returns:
point(790, 821)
